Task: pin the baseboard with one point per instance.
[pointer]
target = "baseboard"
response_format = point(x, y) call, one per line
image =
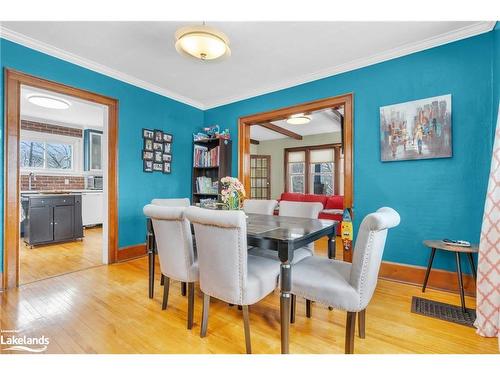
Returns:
point(131, 252)
point(438, 279)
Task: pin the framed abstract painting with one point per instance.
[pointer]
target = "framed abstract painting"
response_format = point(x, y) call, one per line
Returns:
point(420, 129)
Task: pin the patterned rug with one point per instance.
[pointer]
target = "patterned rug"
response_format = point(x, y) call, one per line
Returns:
point(443, 311)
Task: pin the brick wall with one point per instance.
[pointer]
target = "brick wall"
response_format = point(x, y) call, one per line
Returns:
point(51, 129)
point(52, 182)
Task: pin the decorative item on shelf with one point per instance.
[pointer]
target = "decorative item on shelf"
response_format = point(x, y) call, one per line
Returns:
point(224, 134)
point(420, 129)
point(197, 137)
point(156, 153)
point(212, 131)
point(232, 193)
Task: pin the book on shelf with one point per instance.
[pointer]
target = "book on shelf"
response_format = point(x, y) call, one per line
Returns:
point(205, 185)
point(203, 157)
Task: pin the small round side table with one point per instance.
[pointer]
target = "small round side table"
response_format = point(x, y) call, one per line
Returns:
point(440, 245)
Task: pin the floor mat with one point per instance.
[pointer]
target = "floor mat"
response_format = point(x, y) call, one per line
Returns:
point(443, 311)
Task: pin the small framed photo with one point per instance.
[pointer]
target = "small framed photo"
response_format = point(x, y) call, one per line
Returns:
point(167, 137)
point(167, 148)
point(166, 167)
point(158, 157)
point(147, 134)
point(148, 144)
point(157, 146)
point(167, 157)
point(147, 155)
point(158, 167)
point(158, 136)
point(147, 166)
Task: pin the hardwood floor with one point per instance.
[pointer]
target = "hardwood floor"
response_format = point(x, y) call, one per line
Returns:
point(45, 261)
point(106, 310)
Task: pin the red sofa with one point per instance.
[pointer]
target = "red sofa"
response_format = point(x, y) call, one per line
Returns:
point(329, 202)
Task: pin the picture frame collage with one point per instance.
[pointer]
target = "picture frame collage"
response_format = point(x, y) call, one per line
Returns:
point(156, 151)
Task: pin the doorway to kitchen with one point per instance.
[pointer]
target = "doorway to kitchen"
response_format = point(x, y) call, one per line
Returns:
point(60, 166)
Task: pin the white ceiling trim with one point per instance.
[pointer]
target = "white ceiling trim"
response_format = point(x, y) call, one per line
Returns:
point(449, 37)
point(48, 49)
point(465, 32)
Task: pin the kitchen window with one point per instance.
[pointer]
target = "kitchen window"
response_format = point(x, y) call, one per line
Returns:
point(49, 153)
point(313, 170)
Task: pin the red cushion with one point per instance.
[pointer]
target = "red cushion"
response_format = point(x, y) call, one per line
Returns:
point(292, 197)
point(315, 198)
point(335, 201)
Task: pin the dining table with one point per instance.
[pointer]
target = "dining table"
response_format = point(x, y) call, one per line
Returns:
point(283, 234)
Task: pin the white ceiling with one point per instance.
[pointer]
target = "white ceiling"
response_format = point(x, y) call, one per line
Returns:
point(321, 122)
point(266, 56)
point(80, 114)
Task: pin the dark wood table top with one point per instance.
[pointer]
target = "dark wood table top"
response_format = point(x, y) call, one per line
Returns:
point(285, 228)
point(438, 244)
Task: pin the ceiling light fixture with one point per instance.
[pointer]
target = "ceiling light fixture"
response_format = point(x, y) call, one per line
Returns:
point(202, 42)
point(298, 119)
point(47, 101)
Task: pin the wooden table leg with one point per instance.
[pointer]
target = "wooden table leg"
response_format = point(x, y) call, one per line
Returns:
point(331, 245)
point(460, 282)
point(151, 273)
point(428, 271)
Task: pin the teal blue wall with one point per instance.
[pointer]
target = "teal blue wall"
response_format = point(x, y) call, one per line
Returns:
point(436, 198)
point(138, 108)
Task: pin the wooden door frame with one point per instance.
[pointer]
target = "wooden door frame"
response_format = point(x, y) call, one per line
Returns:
point(12, 86)
point(268, 157)
point(346, 100)
point(245, 122)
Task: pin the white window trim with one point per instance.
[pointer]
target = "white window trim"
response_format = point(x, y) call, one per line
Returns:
point(77, 161)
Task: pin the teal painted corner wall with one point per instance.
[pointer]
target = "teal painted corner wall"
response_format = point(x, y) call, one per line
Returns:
point(138, 108)
point(436, 198)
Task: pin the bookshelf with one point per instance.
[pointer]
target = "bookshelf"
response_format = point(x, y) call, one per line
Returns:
point(211, 162)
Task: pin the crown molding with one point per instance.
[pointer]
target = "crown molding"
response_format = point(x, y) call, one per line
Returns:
point(48, 49)
point(449, 37)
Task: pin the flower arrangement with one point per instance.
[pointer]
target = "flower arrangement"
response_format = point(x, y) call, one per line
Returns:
point(232, 193)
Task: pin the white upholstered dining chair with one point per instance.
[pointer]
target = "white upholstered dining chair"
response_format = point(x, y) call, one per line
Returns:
point(227, 272)
point(308, 210)
point(259, 206)
point(343, 285)
point(174, 243)
point(172, 202)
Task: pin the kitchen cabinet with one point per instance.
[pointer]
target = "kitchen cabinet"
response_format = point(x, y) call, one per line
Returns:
point(92, 208)
point(92, 144)
point(52, 218)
